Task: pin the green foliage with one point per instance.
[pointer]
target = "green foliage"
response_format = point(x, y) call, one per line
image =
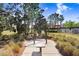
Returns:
point(77, 24)
point(1, 6)
point(55, 19)
point(41, 25)
point(71, 24)
point(29, 12)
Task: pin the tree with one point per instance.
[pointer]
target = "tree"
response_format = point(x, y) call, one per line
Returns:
point(32, 10)
point(26, 23)
point(55, 19)
point(61, 18)
point(69, 24)
point(14, 14)
point(77, 24)
point(3, 17)
point(41, 25)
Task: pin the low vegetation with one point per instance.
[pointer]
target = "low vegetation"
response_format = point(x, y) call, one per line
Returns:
point(68, 44)
point(8, 32)
point(76, 52)
point(10, 43)
point(11, 49)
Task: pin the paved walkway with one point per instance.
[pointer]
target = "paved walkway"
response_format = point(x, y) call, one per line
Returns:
point(49, 49)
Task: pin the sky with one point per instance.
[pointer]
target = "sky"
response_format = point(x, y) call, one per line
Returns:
point(70, 11)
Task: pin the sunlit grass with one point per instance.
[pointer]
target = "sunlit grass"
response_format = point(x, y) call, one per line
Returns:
point(66, 34)
point(8, 32)
point(11, 49)
point(67, 43)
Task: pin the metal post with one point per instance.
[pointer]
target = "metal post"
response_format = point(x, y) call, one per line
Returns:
point(34, 41)
point(34, 38)
point(46, 41)
point(40, 51)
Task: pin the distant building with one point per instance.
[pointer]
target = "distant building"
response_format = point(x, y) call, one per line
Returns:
point(53, 26)
point(61, 28)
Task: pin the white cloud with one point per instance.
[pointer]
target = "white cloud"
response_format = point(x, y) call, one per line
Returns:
point(61, 8)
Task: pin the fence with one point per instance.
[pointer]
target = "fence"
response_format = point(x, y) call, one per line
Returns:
point(66, 29)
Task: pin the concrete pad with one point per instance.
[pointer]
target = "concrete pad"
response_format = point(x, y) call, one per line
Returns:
point(32, 50)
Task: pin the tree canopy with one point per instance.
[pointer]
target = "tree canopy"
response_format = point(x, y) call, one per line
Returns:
point(56, 19)
point(71, 24)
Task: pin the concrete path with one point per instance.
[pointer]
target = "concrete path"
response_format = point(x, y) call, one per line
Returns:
point(49, 49)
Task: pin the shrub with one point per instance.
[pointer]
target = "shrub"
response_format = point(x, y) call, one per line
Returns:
point(8, 32)
point(76, 43)
point(76, 52)
point(55, 38)
point(61, 38)
point(70, 40)
point(58, 37)
point(7, 51)
point(60, 45)
point(20, 44)
point(15, 48)
point(22, 37)
point(5, 54)
point(5, 37)
point(18, 37)
point(68, 50)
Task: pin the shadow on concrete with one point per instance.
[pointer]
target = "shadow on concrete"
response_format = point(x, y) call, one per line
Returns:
point(36, 54)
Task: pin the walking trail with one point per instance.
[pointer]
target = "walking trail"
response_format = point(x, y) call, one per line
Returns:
point(48, 50)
